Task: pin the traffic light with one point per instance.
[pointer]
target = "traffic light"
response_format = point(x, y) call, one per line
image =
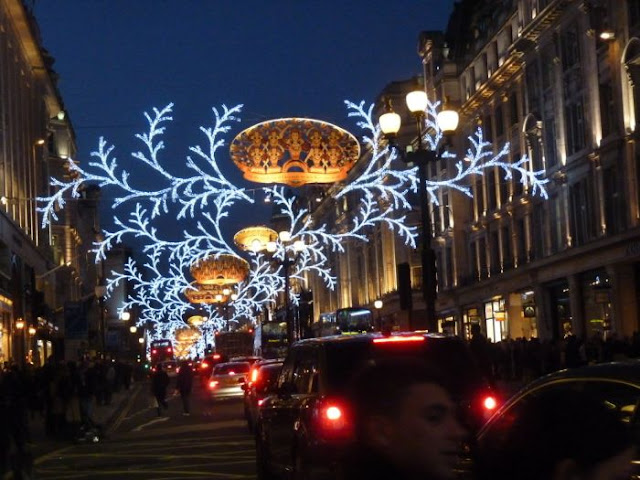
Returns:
point(404, 286)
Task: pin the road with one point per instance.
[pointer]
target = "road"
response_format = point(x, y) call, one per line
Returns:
point(213, 442)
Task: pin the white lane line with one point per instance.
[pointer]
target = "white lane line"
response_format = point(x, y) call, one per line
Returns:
point(155, 420)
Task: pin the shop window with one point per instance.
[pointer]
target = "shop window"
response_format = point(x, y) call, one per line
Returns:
point(496, 320)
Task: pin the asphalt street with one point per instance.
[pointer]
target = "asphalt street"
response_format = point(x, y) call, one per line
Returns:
point(213, 442)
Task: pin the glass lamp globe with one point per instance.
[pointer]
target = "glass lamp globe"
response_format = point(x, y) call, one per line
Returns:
point(390, 123)
point(417, 101)
point(298, 245)
point(378, 304)
point(447, 120)
point(272, 247)
point(284, 236)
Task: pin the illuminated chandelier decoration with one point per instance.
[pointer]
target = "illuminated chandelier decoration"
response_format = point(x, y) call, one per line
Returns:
point(377, 195)
point(295, 152)
point(254, 239)
point(224, 269)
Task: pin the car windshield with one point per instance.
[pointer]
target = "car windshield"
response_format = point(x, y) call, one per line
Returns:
point(227, 368)
point(451, 356)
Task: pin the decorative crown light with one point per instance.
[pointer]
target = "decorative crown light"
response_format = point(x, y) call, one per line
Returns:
point(295, 151)
point(224, 269)
point(254, 238)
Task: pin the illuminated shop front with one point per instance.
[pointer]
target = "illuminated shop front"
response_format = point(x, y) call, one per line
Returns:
point(6, 308)
point(496, 322)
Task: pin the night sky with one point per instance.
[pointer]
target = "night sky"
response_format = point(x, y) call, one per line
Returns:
point(119, 58)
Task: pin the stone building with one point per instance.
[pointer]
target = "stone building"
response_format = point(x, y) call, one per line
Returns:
point(40, 269)
point(557, 80)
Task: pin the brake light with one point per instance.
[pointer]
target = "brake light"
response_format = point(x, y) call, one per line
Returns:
point(169, 349)
point(204, 365)
point(154, 351)
point(231, 372)
point(332, 419)
point(254, 375)
point(489, 403)
point(412, 338)
point(216, 356)
point(213, 384)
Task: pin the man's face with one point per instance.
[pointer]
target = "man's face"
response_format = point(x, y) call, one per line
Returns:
point(424, 435)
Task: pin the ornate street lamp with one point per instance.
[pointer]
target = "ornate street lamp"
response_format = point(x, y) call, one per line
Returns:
point(378, 306)
point(291, 252)
point(101, 293)
point(447, 121)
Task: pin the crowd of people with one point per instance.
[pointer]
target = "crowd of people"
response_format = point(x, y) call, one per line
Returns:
point(62, 394)
point(522, 360)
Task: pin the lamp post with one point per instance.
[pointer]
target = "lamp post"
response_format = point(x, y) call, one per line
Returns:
point(378, 306)
point(447, 121)
point(101, 292)
point(293, 327)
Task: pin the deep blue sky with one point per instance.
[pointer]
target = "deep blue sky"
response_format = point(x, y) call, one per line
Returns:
point(119, 58)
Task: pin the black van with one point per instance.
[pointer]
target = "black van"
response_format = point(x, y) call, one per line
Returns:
point(305, 426)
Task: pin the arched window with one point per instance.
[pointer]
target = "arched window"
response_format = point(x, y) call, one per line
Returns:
point(631, 62)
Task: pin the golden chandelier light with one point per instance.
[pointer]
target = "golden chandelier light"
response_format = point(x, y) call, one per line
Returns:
point(207, 294)
point(295, 152)
point(254, 239)
point(224, 269)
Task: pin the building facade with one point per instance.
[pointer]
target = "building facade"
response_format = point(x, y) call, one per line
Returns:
point(557, 80)
point(41, 269)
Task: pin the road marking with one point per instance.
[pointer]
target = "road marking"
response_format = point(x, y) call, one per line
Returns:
point(155, 420)
point(125, 410)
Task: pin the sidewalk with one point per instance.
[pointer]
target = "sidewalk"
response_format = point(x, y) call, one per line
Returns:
point(103, 415)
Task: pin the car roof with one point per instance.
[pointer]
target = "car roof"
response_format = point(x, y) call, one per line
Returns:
point(369, 337)
point(228, 364)
point(623, 370)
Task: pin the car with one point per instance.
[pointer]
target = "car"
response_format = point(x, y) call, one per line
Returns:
point(616, 384)
point(305, 429)
point(249, 358)
point(169, 366)
point(262, 382)
point(227, 380)
point(207, 364)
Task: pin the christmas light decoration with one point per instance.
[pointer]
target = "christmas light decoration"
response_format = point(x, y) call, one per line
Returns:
point(200, 201)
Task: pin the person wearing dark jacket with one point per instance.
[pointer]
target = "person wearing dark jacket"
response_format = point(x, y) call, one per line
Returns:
point(159, 385)
point(184, 383)
point(406, 424)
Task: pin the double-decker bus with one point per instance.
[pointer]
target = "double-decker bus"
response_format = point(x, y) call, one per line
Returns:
point(344, 321)
point(273, 339)
point(161, 350)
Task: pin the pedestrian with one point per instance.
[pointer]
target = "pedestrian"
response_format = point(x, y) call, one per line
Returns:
point(184, 383)
point(159, 385)
point(406, 423)
point(560, 435)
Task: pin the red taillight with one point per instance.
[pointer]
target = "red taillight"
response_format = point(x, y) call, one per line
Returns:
point(254, 375)
point(213, 384)
point(204, 365)
point(154, 351)
point(489, 403)
point(260, 401)
point(169, 349)
point(216, 356)
point(333, 420)
point(413, 338)
point(231, 372)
